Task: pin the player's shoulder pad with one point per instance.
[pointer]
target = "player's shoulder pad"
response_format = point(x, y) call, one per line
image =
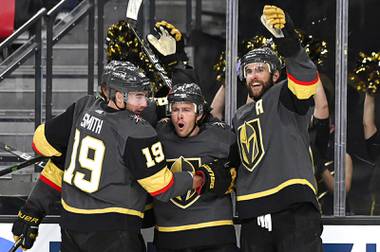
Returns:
point(243, 111)
point(218, 130)
point(163, 123)
point(88, 99)
point(83, 103)
point(216, 124)
point(164, 126)
point(136, 127)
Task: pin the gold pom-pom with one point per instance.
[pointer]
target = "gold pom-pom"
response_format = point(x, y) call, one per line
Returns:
point(314, 47)
point(256, 42)
point(366, 76)
point(220, 68)
point(124, 46)
point(246, 46)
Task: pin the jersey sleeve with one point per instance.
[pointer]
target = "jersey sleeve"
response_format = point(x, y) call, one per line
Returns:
point(46, 193)
point(51, 138)
point(373, 146)
point(146, 160)
point(302, 82)
point(52, 173)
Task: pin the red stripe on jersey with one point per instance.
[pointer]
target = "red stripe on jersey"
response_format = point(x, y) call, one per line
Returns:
point(303, 83)
point(50, 183)
point(163, 189)
point(36, 150)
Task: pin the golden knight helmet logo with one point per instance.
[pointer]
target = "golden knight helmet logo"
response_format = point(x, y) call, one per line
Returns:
point(250, 141)
point(184, 164)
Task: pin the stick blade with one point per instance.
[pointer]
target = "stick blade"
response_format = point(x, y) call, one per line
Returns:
point(133, 8)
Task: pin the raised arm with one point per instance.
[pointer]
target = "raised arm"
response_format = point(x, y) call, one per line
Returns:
point(217, 104)
point(369, 116)
point(302, 75)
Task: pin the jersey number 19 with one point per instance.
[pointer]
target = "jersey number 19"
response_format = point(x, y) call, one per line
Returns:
point(94, 164)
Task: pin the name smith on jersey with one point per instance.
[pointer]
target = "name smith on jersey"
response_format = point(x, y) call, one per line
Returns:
point(92, 123)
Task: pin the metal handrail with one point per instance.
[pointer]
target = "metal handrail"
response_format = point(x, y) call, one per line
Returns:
point(35, 46)
point(55, 8)
point(23, 28)
point(28, 48)
point(86, 8)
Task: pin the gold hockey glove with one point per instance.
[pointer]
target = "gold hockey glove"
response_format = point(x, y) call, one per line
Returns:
point(171, 29)
point(274, 20)
point(279, 23)
point(177, 35)
point(165, 44)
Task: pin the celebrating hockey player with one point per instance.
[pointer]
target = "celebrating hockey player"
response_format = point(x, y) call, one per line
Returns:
point(276, 189)
point(114, 160)
point(193, 222)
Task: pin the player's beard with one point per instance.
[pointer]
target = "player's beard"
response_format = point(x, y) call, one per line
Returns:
point(255, 93)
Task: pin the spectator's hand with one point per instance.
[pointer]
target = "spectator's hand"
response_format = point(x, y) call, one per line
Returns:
point(26, 227)
point(217, 178)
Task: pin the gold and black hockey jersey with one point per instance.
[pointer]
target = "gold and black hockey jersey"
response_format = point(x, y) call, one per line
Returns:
point(191, 220)
point(113, 159)
point(272, 135)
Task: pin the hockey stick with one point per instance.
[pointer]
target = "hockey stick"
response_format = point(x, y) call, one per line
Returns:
point(22, 165)
point(133, 8)
point(17, 244)
point(19, 154)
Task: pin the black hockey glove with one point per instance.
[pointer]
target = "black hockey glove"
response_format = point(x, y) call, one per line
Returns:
point(26, 227)
point(217, 178)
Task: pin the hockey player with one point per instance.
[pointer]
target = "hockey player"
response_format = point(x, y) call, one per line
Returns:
point(276, 189)
point(193, 222)
point(113, 161)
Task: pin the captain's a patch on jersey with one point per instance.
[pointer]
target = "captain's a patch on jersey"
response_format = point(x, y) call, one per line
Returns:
point(250, 143)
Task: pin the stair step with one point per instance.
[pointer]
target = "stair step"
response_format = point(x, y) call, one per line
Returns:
point(16, 128)
point(23, 100)
point(59, 71)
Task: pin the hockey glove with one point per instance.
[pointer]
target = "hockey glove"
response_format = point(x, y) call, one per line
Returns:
point(273, 18)
point(217, 178)
point(279, 23)
point(26, 227)
point(180, 50)
point(180, 55)
point(165, 45)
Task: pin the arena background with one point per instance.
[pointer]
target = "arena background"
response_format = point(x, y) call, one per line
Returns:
point(39, 80)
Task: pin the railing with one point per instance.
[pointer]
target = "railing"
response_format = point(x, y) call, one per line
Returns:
point(33, 45)
point(56, 33)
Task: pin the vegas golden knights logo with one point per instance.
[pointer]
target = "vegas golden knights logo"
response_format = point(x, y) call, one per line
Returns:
point(250, 144)
point(184, 164)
